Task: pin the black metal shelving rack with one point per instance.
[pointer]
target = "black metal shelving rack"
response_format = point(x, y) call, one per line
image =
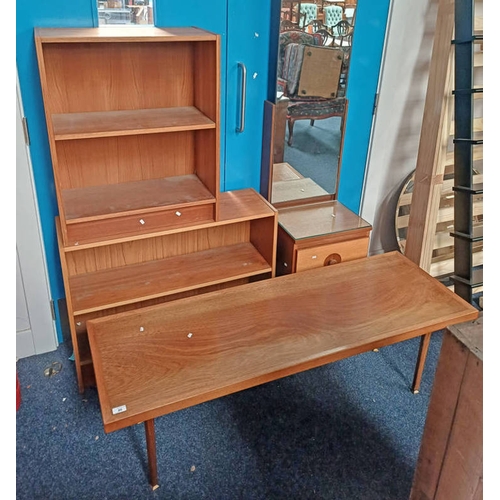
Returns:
point(466, 277)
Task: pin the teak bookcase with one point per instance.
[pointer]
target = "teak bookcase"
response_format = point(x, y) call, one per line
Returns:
point(133, 126)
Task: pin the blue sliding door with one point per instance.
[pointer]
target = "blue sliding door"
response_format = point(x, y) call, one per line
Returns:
point(247, 87)
point(244, 28)
point(210, 16)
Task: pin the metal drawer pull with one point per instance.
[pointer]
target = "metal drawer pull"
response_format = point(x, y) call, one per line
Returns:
point(243, 97)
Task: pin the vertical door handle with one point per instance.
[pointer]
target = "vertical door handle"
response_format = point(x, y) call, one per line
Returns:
point(243, 97)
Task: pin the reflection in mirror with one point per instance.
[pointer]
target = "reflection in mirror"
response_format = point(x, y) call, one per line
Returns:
point(314, 49)
point(112, 12)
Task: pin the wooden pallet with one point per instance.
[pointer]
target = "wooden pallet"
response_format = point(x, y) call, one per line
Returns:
point(442, 264)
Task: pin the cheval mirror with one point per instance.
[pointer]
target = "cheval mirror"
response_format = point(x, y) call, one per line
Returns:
point(310, 110)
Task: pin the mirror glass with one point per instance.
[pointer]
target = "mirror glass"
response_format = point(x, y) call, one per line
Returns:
point(112, 12)
point(315, 41)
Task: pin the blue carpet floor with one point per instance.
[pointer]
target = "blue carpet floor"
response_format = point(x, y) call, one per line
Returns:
point(349, 430)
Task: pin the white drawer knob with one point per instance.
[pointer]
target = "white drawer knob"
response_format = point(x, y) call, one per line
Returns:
point(178, 214)
point(142, 221)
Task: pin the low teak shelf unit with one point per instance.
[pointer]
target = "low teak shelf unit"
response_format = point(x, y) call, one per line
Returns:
point(132, 272)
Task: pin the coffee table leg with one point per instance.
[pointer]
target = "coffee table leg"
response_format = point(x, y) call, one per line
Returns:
point(151, 446)
point(422, 354)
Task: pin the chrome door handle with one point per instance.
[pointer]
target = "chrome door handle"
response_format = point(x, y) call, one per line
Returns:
point(243, 97)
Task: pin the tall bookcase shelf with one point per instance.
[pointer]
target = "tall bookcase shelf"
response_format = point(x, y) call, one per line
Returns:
point(133, 127)
point(68, 126)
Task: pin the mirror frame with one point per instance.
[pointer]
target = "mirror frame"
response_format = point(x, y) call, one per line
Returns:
point(270, 106)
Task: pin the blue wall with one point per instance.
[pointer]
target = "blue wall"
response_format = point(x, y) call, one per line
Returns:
point(58, 13)
point(368, 44)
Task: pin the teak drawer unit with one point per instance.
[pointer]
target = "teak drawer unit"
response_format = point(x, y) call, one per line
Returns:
point(132, 272)
point(319, 234)
point(133, 127)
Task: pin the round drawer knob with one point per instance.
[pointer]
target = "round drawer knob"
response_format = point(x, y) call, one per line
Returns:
point(333, 258)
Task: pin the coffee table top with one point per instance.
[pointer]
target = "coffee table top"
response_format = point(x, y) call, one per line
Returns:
point(159, 359)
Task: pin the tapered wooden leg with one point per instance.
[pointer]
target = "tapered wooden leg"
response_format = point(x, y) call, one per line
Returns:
point(151, 446)
point(422, 354)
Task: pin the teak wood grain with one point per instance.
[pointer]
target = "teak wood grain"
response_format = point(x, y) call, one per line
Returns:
point(69, 126)
point(234, 206)
point(100, 202)
point(110, 160)
point(309, 258)
point(150, 110)
point(164, 358)
point(156, 278)
point(122, 34)
point(136, 270)
point(307, 222)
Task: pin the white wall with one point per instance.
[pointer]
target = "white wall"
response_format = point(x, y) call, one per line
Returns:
point(396, 130)
point(35, 328)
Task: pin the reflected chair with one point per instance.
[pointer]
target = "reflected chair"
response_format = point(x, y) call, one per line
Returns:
point(287, 25)
point(301, 107)
point(333, 14)
point(312, 110)
point(343, 40)
point(308, 12)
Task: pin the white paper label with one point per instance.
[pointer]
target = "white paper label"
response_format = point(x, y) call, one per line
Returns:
point(119, 409)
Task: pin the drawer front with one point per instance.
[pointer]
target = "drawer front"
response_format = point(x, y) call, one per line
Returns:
point(311, 258)
point(131, 225)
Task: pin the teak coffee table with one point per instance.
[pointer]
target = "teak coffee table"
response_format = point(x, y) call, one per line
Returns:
point(207, 346)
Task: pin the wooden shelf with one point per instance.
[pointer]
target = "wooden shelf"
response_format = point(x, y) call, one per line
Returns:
point(135, 283)
point(123, 34)
point(70, 126)
point(234, 206)
point(101, 202)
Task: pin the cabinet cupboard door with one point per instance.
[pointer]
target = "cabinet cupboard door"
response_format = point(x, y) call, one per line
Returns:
point(248, 52)
point(245, 39)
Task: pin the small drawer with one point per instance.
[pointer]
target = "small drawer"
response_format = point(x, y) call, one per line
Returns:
point(310, 258)
point(131, 225)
